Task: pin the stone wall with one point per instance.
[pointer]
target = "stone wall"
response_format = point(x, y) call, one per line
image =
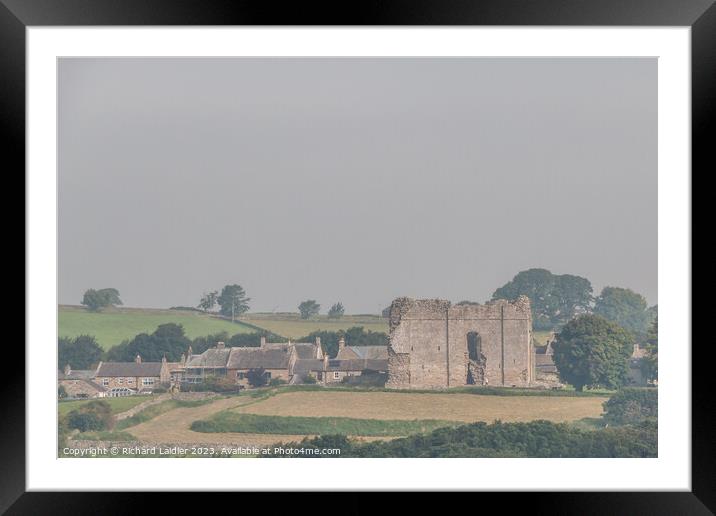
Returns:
point(428, 343)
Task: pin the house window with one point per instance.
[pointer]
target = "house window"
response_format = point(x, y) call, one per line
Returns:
point(105, 381)
point(268, 375)
point(130, 380)
point(147, 381)
point(336, 375)
point(240, 375)
point(120, 380)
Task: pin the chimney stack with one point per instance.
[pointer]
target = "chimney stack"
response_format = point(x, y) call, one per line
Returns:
point(189, 353)
point(182, 360)
point(263, 340)
point(219, 345)
point(164, 359)
point(341, 343)
point(68, 369)
point(138, 359)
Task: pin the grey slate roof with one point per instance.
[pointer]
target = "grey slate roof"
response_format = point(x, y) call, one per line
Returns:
point(80, 374)
point(370, 352)
point(545, 364)
point(269, 357)
point(364, 352)
point(307, 365)
point(305, 350)
point(129, 369)
point(211, 358)
point(94, 385)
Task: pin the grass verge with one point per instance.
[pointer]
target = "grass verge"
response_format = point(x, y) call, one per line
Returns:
point(291, 425)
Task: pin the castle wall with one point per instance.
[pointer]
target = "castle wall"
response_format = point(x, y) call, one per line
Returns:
point(428, 343)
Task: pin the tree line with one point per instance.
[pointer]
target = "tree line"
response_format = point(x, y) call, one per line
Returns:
point(170, 341)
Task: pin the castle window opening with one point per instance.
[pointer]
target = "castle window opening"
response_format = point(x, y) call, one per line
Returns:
point(474, 345)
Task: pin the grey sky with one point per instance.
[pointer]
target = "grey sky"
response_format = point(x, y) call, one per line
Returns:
point(356, 180)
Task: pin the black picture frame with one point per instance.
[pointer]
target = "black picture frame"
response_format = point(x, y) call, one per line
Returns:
point(700, 15)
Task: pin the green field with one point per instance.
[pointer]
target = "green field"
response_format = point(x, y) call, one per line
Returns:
point(117, 404)
point(293, 425)
point(112, 326)
point(292, 326)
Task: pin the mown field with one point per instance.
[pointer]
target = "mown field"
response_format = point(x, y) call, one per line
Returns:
point(112, 326)
point(425, 406)
point(291, 325)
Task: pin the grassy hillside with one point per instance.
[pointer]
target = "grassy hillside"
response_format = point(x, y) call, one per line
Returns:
point(112, 326)
point(291, 325)
point(116, 404)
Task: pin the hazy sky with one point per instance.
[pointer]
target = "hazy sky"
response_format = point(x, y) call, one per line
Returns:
point(357, 180)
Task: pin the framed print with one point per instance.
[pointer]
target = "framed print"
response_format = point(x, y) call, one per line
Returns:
point(428, 244)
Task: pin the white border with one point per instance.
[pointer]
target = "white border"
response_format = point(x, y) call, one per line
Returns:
point(671, 471)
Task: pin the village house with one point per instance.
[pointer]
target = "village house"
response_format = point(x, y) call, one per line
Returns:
point(127, 378)
point(79, 383)
point(290, 362)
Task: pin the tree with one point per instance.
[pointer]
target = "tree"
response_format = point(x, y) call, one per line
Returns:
point(624, 307)
point(61, 392)
point(632, 405)
point(355, 336)
point(590, 351)
point(309, 308)
point(208, 301)
point(555, 299)
point(96, 300)
point(257, 377)
point(233, 301)
point(336, 311)
point(82, 352)
point(650, 362)
point(168, 340)
point(201, 344)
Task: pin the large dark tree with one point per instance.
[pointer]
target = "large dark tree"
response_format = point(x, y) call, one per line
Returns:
point(309, 308)
point(81, 352)
point(233, 301)
point(168, 340)
point(625, 307)
point(96, 300)
point(590, 351)
point(555, 299)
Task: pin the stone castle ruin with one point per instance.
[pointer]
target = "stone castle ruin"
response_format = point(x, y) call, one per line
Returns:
point(436, 345)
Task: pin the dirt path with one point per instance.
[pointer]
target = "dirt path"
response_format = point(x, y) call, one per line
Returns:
point(173, 427)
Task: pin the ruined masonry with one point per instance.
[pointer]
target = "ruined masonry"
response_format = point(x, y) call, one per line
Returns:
point(436, 345)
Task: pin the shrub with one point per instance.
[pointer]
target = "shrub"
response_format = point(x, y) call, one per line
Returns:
point(257, 377)
point(309, 379)
point(213, 384)
point(632, 405)
point(275, 382)
point(61, 392)
point(84, 421)
point(95, 415)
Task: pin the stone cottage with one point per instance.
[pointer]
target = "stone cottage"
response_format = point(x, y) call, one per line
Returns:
point(126, 378)
point(79, 383)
